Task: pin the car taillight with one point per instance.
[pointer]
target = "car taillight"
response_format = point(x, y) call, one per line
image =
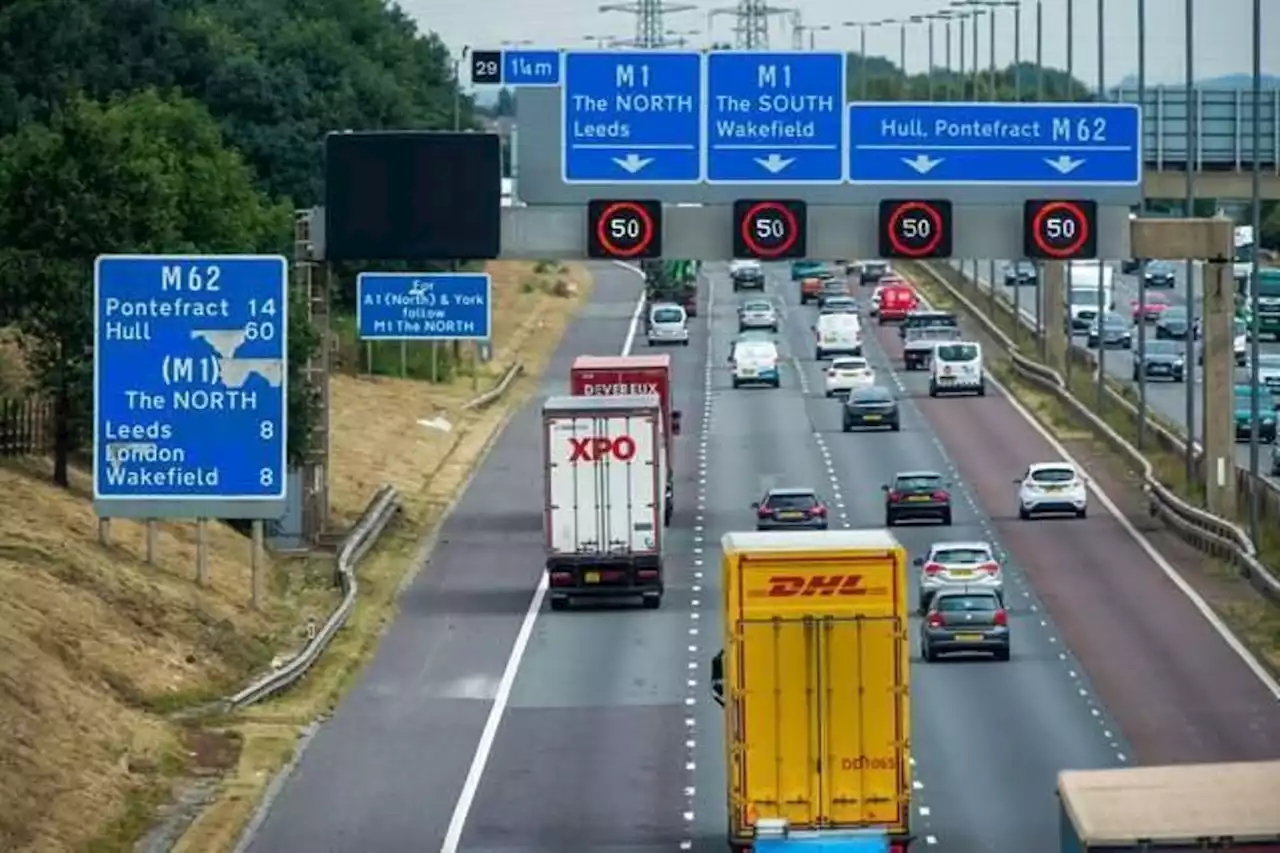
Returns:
point(990, 568)
point(941, 496)
point(818, 511)
point(764, 512)
point(935, 620)
point(1002, 618)
point(932, 568)
point(831, 371)
point(895, 495)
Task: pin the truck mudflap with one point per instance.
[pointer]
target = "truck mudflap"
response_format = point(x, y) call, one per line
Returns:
point(602, 576)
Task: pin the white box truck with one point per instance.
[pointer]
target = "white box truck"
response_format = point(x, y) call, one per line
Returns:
point(606, 470)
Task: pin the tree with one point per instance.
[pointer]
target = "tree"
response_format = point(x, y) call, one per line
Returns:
point(147, 173)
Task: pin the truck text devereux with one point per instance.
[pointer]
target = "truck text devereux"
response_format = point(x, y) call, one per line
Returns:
point(606, 475)
point(813, 678)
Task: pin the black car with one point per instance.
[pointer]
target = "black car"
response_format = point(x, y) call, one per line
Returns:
point(917, 496)
point(1163, 359)
point(748, 276)
point(917, 319)
point(870, 407)
point(1114, 331)
point(872, 271)
point(1160, 274)
point(1172, 325)
point(832, 288)
point(790, 509)
point(1020, 273)
point(967, 619)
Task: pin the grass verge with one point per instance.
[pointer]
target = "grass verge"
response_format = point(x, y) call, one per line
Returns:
point(382, 434)
point(1254, 619)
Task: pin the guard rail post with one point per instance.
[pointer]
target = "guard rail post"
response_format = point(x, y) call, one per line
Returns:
point(1056, 317)
point(1213, 241)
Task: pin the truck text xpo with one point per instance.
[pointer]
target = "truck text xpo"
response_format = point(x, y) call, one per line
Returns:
point(593, 449)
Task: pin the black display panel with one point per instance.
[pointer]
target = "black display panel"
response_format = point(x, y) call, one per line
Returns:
point(915, 228)
point(770, 229)
point(1060, 229)
point(624, 228)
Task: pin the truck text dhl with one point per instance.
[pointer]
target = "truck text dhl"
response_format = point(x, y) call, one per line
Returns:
point(814, 679)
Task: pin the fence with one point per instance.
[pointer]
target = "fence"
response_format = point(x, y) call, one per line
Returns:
point(26, 426)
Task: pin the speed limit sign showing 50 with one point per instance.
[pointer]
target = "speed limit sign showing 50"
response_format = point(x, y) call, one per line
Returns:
point(624, 229)
point(915, 228)
point(1058, 230)
point(769, 229)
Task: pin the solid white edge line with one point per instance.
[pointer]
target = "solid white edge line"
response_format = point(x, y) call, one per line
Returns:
point(502, 696)
point(1197, 601)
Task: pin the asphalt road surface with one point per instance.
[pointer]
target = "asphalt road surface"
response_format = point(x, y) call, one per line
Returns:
point(608, 740)
point(1165, 397)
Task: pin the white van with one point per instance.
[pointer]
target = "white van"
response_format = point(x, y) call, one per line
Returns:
point(837, 334)
point(956, 367)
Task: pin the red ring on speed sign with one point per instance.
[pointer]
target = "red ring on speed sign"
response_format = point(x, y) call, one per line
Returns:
point(935, 219)
point(1076, 213)
point(788, 218)
point(646, 228)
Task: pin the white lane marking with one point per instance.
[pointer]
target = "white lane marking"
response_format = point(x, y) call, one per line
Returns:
point(471, 785)
point(1197, 601)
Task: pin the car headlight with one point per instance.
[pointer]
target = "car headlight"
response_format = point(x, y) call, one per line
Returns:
point(1177, 363)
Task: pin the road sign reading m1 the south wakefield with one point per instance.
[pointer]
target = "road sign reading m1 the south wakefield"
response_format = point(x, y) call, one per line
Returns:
point(423, 306)
point(1082, 145)
point(632, 117)
point(775, 118)
point(190, 386)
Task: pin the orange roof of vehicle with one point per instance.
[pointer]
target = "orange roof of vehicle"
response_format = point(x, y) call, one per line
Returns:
point(613, 362)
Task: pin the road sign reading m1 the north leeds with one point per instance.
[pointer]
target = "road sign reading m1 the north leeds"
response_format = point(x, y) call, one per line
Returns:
point(190, 386)
point(1084, 145)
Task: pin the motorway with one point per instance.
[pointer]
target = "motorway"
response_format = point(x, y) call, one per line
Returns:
point(487, 724)
point(1165, 397)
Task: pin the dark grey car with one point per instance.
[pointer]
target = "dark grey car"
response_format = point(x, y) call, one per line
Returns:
point(1160, 274)
point(870, 407)
point(1172, 324)
point(872, 272)
point(790, 509)
point(1114, 330)
point(970, 619)
point(1160, 359)
point(1019, 273)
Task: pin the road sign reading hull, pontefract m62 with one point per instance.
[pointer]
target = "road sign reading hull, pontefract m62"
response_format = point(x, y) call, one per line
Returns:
point(423, 306)
point(190, 386)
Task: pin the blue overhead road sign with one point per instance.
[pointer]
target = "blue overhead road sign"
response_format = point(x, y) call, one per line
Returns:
point(190, 378)
point(775, 117)
point(632, 117)
point(531, 67)
point(1083, 145)
point(422, 306)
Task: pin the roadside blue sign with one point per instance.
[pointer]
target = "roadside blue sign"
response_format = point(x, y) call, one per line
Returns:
point(423, 306)
point(531, 67)
point(190, 378)
point(632, 117)
point(775, 117)
point(1094, 144)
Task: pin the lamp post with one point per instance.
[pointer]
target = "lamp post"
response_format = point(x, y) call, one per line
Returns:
point(1256, 217)
point(862, 27)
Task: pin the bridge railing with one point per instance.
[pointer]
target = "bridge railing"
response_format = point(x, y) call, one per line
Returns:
point(1222, 130)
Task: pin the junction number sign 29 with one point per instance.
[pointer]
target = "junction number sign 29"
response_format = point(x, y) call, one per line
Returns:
point(915, 228)
point(624, 229)
point(769, 229)
point(1060, 230)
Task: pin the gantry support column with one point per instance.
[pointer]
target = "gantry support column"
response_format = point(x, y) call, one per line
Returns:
point(1054, 289)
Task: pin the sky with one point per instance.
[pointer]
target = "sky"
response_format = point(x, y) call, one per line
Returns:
point(1221, 31)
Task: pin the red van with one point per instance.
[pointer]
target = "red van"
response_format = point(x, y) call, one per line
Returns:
point(896, 302)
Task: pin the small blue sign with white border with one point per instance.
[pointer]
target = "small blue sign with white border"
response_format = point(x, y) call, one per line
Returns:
point(423, 306)
point(526, 68)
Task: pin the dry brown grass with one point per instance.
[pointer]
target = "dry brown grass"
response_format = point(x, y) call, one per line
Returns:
point(378, 438)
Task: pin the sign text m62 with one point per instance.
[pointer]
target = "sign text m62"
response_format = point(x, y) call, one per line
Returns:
point(793, 586)
point(596, 448)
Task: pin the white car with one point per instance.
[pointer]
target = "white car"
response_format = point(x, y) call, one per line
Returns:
point(1052, 488)
point(876, 296)
point(756, 363)
point(849, 373)
point(952, 565)
point(668, 324)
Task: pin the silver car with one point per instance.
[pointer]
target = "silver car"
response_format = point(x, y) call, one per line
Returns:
point(757, 314)
point(958, 565)
point(1269, 370)
point(668, 324)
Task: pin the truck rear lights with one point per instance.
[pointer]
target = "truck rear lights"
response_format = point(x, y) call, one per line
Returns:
point(562, 578)
point(646, 574)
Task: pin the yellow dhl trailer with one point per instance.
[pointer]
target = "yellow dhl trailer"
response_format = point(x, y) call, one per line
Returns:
point(814, 682)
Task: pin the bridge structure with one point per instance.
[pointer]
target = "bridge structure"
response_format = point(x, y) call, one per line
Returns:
point(1220, 147)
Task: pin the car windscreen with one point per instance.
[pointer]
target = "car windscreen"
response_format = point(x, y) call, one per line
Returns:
point(839, 305)
point(957, 352)
point(1265, 401)
point(757, 307)
point(791, 502)
point(1115, 321)
point(967, 603)
point(1269, 360)
point(931, 320)
point(668, 315)
point(961, 555)
point(1175, 312)
point(754, 351)
point(849, 364)
point(1085, 297)
point(869, 396)
point(918, 482)
point(933, 333)
point(1053, 475)
point(1159, 347)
